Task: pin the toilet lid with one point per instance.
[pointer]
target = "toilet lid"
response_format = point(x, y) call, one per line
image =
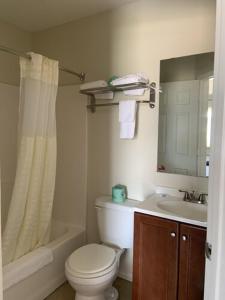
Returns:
point(92, 258)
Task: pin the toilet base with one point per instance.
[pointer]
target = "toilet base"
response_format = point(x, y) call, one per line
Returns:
point(96, 297)
point(110, 294)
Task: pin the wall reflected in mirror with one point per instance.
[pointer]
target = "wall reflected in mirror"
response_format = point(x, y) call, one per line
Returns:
point(185, 113)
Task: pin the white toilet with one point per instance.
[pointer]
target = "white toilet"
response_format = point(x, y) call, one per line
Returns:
point(92, 269)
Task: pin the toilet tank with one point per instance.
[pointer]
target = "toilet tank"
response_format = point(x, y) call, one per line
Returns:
point(115, 221)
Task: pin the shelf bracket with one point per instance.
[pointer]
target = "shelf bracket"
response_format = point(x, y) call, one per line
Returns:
point(92, 103)
point(152, 95)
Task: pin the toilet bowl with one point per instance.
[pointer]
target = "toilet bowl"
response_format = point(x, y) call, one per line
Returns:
point(91, 270)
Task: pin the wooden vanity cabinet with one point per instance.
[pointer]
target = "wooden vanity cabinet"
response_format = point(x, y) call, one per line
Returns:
point(191, 262)
point(169, 259)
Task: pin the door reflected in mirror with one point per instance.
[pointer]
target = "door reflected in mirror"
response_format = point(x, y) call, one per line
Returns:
point(185, 114)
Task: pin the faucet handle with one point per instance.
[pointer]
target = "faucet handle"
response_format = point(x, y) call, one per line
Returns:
point(181, 191)
point(187, 195)
point(202, 198)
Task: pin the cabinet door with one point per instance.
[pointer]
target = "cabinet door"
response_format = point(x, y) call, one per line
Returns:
point(155, 258)
point(191, 262)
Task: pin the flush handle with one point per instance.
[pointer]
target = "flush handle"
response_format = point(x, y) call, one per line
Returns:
point(173, 234)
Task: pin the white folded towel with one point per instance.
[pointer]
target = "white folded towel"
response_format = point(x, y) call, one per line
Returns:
point(25, 266)
point(105, 96)
point(130, 78)
point(93, 84)
point(127, 118)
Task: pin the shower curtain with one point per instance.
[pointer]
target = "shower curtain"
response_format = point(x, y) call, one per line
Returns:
point(29, 217)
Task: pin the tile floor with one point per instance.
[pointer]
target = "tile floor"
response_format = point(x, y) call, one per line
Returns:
point(65, 292)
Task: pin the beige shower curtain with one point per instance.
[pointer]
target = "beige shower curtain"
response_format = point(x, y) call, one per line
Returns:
point(29, 216)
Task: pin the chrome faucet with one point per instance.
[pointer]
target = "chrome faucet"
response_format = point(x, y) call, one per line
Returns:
point(202, 198)
point(193, 197)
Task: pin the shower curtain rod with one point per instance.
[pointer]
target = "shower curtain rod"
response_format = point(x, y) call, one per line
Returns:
point(25, 55)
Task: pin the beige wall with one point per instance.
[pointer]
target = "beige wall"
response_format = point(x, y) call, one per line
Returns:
point(70, 191)
point(133, 38)
point(9, 99)
point(1, 282)
point(12, 37)
point(187, 68)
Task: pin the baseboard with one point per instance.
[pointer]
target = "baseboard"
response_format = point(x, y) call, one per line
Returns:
point(125, 276)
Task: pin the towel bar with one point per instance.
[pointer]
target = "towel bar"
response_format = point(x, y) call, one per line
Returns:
point(124, 87)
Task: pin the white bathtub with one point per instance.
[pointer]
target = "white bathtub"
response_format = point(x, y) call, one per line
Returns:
point(37, 286)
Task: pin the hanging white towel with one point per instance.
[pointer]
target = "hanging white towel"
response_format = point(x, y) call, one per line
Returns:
point(127, 118)
point(127, 130)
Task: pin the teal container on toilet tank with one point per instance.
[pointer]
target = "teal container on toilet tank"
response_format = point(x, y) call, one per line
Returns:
point(119, 193)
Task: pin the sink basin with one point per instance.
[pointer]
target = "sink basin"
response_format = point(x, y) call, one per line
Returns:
point(184, 209)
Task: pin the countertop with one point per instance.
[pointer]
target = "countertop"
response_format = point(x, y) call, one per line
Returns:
point(184, 214)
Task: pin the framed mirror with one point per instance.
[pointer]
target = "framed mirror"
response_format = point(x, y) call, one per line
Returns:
point(185, 112)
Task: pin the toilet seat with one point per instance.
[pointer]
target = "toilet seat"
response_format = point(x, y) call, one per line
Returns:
point(91, 261)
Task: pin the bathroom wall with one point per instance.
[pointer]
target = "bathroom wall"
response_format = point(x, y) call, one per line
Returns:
point(130, 39)
point(9, 99)
point(70, 191)
point(13, 37)
point(1, 281)
point(187, 68)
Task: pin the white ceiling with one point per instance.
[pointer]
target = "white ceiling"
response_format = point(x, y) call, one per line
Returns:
point(35, 15)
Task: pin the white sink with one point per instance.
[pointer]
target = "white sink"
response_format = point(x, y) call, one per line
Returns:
point(184, 209)
point(174, 208)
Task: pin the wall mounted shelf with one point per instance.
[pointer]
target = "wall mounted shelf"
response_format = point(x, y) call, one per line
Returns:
point(119, 88)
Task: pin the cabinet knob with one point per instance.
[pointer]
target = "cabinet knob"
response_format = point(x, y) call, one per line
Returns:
point(184, 237)
point(173, 234)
